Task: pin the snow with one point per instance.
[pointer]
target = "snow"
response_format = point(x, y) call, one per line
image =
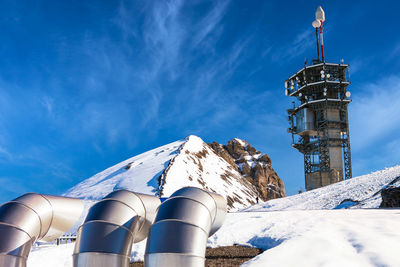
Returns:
point(141, 176)
point(188, 162)
point(307, 231)
point(363, 237)
point(364, 191)
point(250, 160)
point(240, 141)
point(336, 225)
point(51, 255)
point(316, 237)
point(197, 165)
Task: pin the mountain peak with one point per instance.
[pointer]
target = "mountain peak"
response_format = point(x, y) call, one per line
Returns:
point(240, 141)
point(188, 162)
point(194, 143)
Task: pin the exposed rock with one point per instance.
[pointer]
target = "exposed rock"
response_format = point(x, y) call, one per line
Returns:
point(223, 256)
point(253, 165)
point(189, 162)
point(222, 152)
point(197, 164)
point(390, 197)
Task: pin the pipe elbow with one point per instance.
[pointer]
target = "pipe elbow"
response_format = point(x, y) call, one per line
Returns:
point(111, 226)
point(32, 217)
point(182, 226)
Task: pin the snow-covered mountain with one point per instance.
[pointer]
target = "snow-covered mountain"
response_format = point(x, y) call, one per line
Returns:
point(358, 192)
point(301, 226)
point(162, 171)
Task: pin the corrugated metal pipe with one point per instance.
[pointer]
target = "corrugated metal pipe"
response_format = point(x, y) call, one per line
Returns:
point(111, 226)
point(182, 226)
point(33, 217)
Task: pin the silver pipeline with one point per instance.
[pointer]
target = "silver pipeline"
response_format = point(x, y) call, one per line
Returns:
point(182, 226)
point(33, 217)
point(111, 226)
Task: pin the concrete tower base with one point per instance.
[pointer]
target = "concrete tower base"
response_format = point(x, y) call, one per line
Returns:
point(319, 179)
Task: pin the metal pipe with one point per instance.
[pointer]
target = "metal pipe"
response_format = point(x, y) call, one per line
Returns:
point(33, 217)
point(182, 226)
point(111, 226)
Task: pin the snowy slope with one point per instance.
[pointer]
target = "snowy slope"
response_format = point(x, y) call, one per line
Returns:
point(139, 174)
point(162, 171)
point(364, 191)
point(316, 237)
point(362, 237)
point(292, 237)
point(197, 165)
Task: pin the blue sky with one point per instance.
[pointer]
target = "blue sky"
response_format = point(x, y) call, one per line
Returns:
point(87, 84)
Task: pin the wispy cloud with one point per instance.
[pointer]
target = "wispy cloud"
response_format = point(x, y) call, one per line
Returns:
point(301, 42)
point(5, 154)
point(396, 51)
point(208, 24)
point(155, 76)
point(374, 115)
point(174, 76)
point(13, 186)
point(164, 35)
point(47, 102)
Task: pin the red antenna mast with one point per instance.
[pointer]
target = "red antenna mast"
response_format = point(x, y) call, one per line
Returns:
point(318, 24)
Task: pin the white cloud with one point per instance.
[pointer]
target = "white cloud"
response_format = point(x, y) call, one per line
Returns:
point(47, 102)
point(11, 185)
point(301, 42)
point(5, 154)
point(208, 24)
point(375, 113)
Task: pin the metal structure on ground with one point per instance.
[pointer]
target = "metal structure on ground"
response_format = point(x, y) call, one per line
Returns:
point(33, 217)
point(183, 224)
point(111, 226)
point(178, 237)
point(319, 118)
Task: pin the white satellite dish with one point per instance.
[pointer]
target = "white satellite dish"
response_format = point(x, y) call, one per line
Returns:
point(348, 94)
point(320, 14)
point(316, 24)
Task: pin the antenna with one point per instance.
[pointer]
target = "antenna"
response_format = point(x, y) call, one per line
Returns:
point(318, 120)
point(318, 24)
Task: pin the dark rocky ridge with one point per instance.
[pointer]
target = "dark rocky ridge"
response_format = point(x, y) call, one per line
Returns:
point(390, 197)
point(224, 256)
point(253, 165)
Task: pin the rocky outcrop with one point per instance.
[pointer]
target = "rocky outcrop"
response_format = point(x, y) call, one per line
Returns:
point(390, 197)
point(239, 173)
point(253, 165)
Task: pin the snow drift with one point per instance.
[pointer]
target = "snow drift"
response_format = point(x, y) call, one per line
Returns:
point(358, 192)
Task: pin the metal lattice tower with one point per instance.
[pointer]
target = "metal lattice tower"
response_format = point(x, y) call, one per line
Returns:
point(319, 118)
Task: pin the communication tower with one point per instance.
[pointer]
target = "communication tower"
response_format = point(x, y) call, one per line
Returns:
point(318, 120)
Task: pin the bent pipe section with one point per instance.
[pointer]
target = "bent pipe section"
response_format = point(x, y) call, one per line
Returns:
point(32, 217)
point(182, 226)
point(111, 226)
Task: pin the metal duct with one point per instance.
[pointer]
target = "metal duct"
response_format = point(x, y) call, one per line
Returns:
point(182, 226)
point(33, 217)
point(111, 226)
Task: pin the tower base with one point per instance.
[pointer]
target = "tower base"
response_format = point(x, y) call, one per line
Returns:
point(319, 179)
